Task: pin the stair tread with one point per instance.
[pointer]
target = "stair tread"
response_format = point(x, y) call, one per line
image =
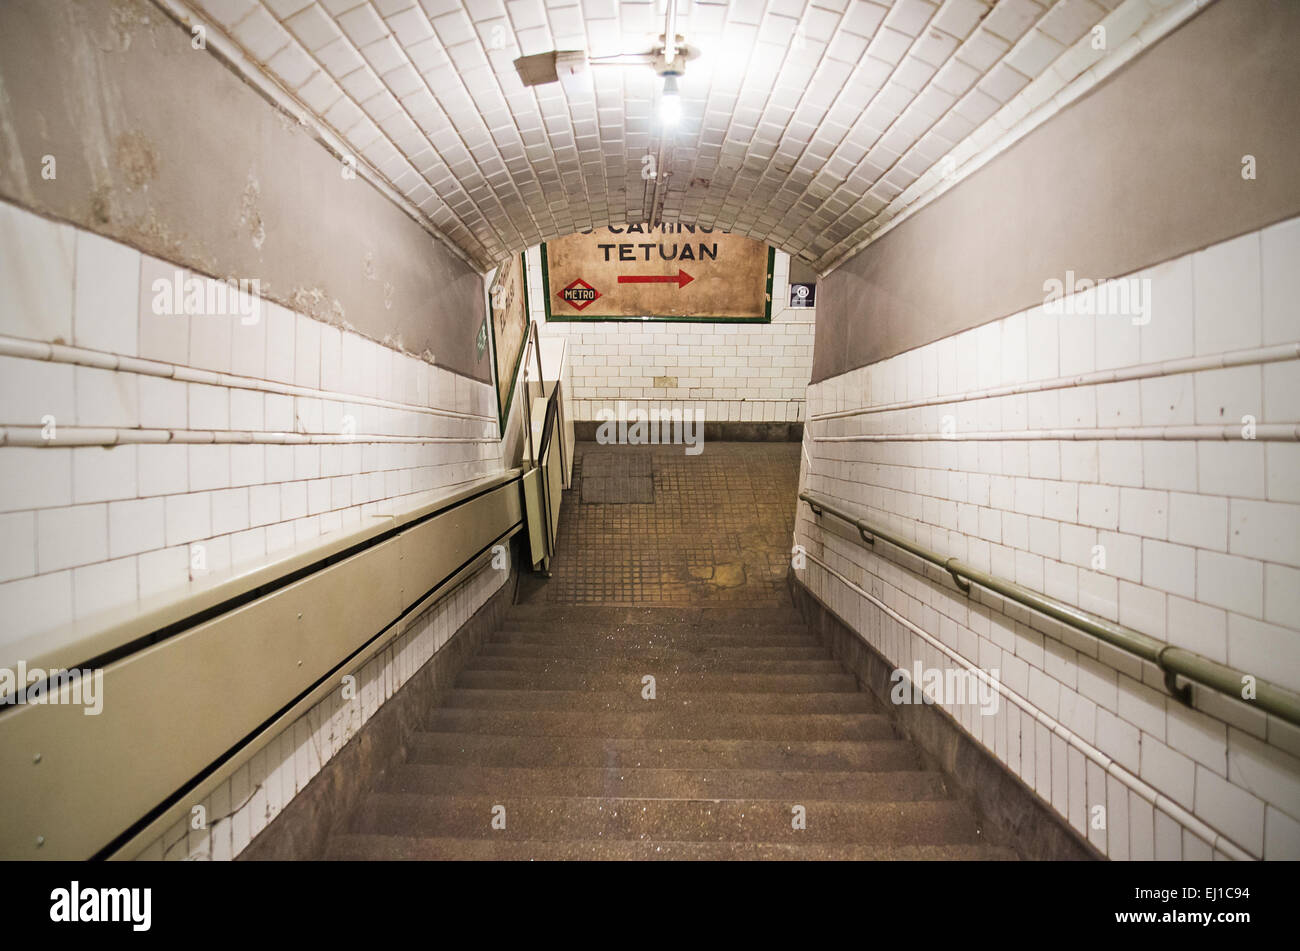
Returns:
point(638, 782)
point(694, 681)
point(809, 726)
point(657, 651)
point(923, 822)
point(681, 664)
point(646, 639)
point(668, 698)
point(353, 847)
point(631, 616)
point(490, 749)
point(752, 718)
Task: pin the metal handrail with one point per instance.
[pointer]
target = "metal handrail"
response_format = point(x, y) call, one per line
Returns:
point(1173, 661)
point(531, 344)
point(549, 426)
point(539, 450)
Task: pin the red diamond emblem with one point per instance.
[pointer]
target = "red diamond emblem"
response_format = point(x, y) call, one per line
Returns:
point(579, 294)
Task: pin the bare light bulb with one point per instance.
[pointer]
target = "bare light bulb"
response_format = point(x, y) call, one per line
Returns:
point(670, 104)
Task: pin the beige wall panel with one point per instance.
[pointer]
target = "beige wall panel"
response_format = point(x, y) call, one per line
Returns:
point(166, 149)
point(173, 708)
point(1142, 169)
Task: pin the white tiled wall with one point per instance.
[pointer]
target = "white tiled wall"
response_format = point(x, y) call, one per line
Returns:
point(1114, 435)
point(728, 372)
point(190, 431)
point(174, 435)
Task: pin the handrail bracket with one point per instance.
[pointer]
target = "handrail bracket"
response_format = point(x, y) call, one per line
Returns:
point(1194, 669)
point(957, 579)
point(1182, 694)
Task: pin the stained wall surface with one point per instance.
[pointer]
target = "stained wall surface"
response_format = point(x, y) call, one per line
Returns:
point(1145, 167)
point(165, 149)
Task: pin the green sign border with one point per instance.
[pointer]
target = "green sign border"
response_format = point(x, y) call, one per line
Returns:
point(579, 317)
point(503, 410)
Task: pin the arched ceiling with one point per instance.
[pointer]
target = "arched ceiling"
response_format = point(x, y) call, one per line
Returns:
point(800, 120)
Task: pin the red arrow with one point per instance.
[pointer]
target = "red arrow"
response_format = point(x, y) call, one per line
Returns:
point(681, 278)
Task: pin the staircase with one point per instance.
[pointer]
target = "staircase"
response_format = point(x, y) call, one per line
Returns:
point(547, 731)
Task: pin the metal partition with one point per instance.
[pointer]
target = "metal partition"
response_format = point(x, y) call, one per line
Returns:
point(198, 694)
point(545, 479)
point(1173, 661)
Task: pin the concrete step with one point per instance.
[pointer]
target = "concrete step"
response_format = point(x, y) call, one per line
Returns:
point(667, 724)
point(668, 640)
point(668, 697)
point(584, 751)
point(408, 848)
point(682, 664)
point(595, 617)
point(639, 783)
point(601, 650)
point(940, 822)
point(752, 717)
point(693, 681)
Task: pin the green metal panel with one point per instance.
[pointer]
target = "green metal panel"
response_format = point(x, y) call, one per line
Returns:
point(503, 409)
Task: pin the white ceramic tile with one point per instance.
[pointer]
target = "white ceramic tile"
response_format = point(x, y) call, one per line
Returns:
point(106, 315)
point(1280, 291)
point(189, 517)
point(134, 526)
point(162, 470)
point(35, 604)
point(106, 398)
point(164, 403)
point(18, 554)
point(1226, 282)
point(103, 473)
point(280, 342)
point(32, 390)
point(164, 328)
point(102, 586)
point(67, 537)
point(248, 346)
point(36, 271)
point(307, 352)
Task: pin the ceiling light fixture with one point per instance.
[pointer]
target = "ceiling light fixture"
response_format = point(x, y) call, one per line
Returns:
point(670, 105)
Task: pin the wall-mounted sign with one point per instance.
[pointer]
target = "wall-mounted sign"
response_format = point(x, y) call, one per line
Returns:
point(508, 300)
point(657, 272)
point(803, 295)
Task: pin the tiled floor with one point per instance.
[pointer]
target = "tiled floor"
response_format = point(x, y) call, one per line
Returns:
point(714, 527)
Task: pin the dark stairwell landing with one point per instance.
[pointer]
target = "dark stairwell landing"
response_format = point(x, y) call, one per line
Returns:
point(757, 742)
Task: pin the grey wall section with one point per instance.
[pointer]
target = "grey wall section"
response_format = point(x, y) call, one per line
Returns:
point(1146, 167)
point(164, 147)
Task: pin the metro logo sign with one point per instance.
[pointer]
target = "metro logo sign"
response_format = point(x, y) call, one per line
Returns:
point(579, 294)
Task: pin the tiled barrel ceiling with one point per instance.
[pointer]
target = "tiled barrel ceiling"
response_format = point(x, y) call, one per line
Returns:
point(800, 120)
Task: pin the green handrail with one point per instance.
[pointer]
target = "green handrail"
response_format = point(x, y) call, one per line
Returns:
point(1173, 661)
